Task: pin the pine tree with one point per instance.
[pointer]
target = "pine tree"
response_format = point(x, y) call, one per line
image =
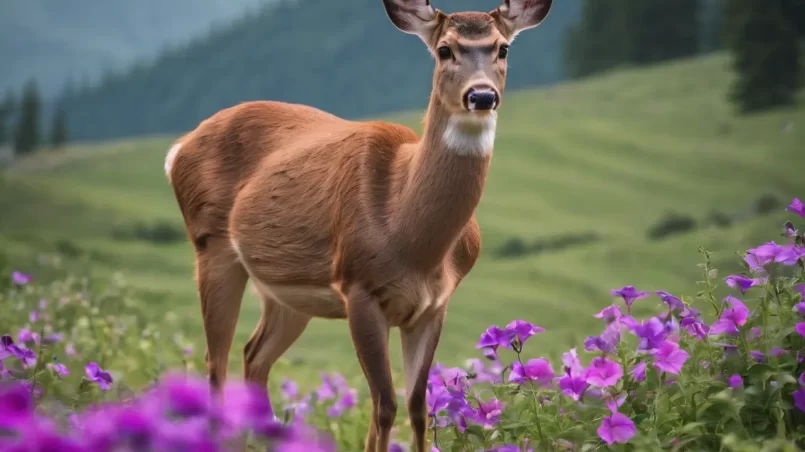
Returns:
point(599, 41)
point(7, 108)
point(58, 131)
point(764, 42)
point(26, 136)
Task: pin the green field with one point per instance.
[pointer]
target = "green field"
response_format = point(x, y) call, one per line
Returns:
point(608, 156)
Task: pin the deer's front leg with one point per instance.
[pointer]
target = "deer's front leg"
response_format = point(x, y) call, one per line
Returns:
point(369, 330)
point(419, 344)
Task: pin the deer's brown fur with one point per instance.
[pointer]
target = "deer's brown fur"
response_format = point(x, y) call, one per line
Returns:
point(339, 219)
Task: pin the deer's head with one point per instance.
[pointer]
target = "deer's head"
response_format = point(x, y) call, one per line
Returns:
point(471, 48)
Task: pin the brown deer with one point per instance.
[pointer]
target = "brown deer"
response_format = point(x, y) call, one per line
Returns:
point(338, 219)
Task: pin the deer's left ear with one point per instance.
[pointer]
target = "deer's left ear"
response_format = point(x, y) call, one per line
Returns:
point(514, 16)
point(413, 16)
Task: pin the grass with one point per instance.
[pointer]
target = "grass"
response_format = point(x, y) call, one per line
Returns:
point(609, 156)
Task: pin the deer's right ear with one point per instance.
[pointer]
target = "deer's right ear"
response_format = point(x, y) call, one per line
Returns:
point(412, 16)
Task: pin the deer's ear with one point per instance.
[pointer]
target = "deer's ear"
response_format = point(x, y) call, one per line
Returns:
point(412, 16)
point(514, 16)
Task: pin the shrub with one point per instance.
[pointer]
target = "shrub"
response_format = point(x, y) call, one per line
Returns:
point(671, 224)
point(515, 247)
point(703, 374)
point(159, 232)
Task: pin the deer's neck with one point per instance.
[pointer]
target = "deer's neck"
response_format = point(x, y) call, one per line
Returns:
point(445, 180)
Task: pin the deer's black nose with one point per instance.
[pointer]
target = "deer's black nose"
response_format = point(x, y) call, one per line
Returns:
point(481, 99)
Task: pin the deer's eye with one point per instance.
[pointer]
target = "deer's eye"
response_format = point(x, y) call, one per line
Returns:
point(444, 52)
point(503, 51)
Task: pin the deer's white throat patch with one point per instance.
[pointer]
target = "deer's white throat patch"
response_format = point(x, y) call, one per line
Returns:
point(471, 134)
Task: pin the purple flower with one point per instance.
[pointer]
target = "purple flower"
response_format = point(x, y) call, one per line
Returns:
point(796, 207)
point(60, 369)
point(33, 316)
point(742, 283)
point(98, 375)
point(670, 358)
point(504, 448)
point(609, 313)
point(731, 318)
point(800, 328)
point(802, 379)
point(69, 350)
point(538, 370)
point(573, 386)
point(523, 330)
point(6, 344)
point(800, 308)
point(437, 397)
point(639, 372)
point(652, 333)
point(28, 357)
point(53, 338)
point(799, 399)
point(757, 355)
point(20, 279)
point(673, 302)
point(629, 295)
point(603, 373)
point(736, 381)
point(290, 390)
point(489, 412)
point(347, 400)
point(617, 428)
point(495, 337)
point(394, 447)
point(26, 335)
point(572, 363)
point(484, 373)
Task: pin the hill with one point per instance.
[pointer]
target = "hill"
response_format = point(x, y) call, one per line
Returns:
point(606, 158)
point(53, 39)
point(345, 57)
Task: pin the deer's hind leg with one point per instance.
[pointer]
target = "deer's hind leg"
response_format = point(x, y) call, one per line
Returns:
point(221, 281)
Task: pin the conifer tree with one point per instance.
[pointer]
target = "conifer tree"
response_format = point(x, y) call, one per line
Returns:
point(58, 130)
point(7, 109)
point(26, 135)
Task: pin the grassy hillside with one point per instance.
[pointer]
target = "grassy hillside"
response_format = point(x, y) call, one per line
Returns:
point(345, 57)
point(53, 39)
point(605, 157)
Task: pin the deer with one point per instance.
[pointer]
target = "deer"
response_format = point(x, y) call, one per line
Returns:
point(363, 221)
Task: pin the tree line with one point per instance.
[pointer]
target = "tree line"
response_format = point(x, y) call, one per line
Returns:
point(764, 38)
point(21, 122)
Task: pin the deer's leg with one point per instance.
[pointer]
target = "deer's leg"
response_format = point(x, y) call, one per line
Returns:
point(419, 343)
point(369, 330)
point(221, 282)
point(279, 327)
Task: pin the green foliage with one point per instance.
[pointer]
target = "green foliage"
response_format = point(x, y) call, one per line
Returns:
point(344, 57)
point(7, 110)
point(672, 223)
point(27, 132)
point(622, 32)
point(763, 37)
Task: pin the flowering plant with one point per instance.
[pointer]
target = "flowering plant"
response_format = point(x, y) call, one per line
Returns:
point(705, 373)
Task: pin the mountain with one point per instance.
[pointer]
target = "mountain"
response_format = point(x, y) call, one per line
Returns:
point(53, 40)
point(342, 56)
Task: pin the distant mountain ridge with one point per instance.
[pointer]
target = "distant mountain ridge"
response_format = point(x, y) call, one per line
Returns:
point(342, 56)
point(55, 39)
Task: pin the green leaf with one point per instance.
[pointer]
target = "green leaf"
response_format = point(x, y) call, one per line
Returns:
point(759, 373)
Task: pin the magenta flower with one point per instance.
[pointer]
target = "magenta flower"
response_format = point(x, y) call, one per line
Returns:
point(347, 400)
point(617, 428)
point(652, 333)
point(489, 412)
point(800, 328)
point(796, 207)
point(572, 363)
point(731, 318)
point(639, 372)
point(26, 335)
point(523, 330)
point(670, 358)
point(20, 279)
point(603, 373)
point(573, 386)
point(736, 381)
point(484, 373)
point(7, 347)
point(609, 314)
point(629, 295)
point(60, 369)
point(538, 370)
point(436, 397)
point(801, 289)
point(802, 379)
point(495, 337)
point(799, 399)
point(742, 283)
point(98, 375)
point(673, 302)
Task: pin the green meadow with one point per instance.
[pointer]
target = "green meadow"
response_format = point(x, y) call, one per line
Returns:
point(603, 158)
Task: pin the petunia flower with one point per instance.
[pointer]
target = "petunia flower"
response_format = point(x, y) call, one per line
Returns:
point(20, 278)
point(742, 283)
point(670, 358)
point(488, 414)
point(736, 381)
point(495, 337)
point(629, 295)
point(59, 368)
point(617, 428)
point(523, 330)
point(609, 313)
point(673, 302)
point(538, 370)
point(800, 328)
point(799, 399)
point(603, 373)
point(651, 332)
point(796, 207)
point(731, 318)
point(6, 347)
point(639, 372)
point(98, 375)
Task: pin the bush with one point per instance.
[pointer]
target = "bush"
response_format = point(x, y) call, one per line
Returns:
point(160, 232)
point(673, 223)
point(703, 374)
point(515, 247)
